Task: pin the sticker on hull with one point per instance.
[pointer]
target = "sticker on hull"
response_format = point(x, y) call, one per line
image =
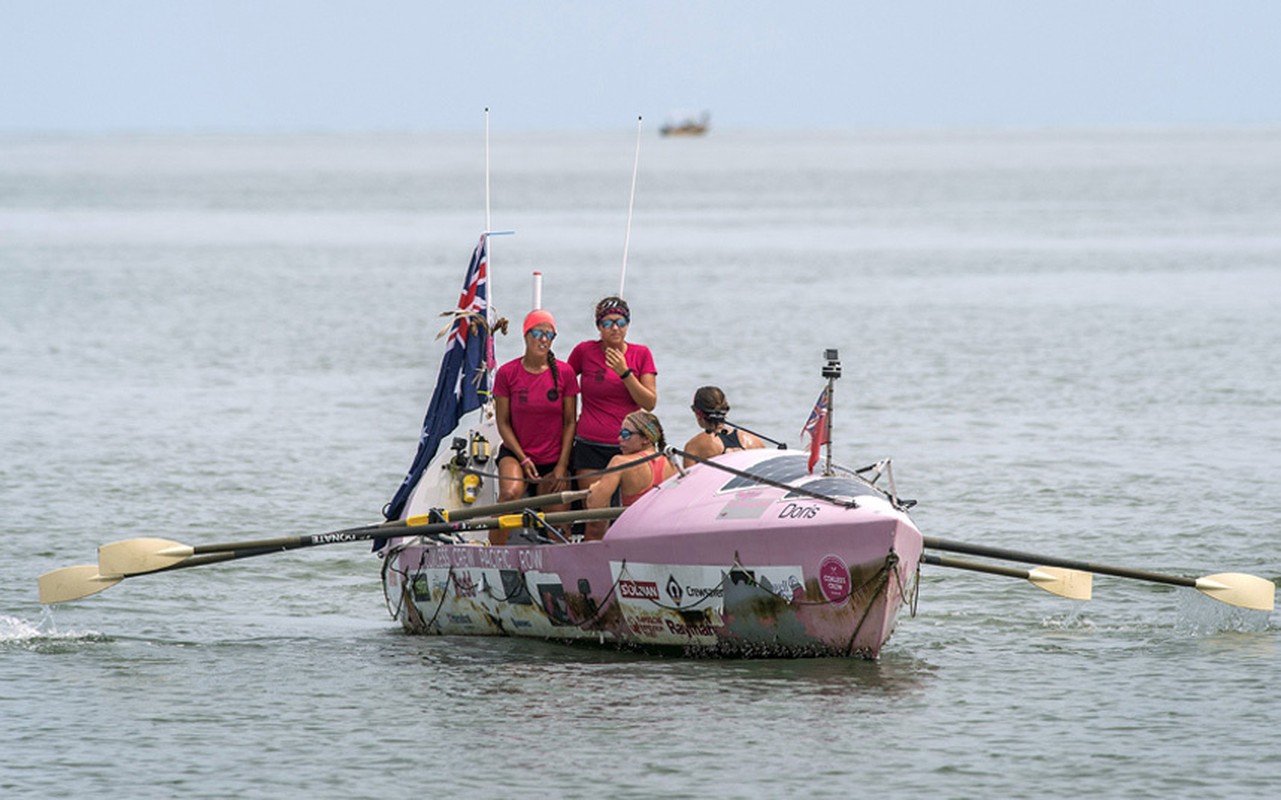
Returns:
point(670, 604)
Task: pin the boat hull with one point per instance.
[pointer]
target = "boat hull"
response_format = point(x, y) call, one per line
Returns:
point(749, 572)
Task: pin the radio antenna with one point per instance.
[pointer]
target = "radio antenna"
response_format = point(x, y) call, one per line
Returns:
point(631, 203)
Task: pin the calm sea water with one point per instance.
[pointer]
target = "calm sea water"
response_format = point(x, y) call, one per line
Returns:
point(1066, 340)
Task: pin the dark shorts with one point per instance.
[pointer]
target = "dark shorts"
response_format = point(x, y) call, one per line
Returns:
point(543, 469)
point(591, 455)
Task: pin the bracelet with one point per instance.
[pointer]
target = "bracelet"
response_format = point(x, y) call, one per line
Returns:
point(626, 372)
point(527, 460)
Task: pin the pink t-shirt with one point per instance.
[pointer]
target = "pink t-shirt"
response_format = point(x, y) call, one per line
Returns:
point(535, 419)
point(605, 398)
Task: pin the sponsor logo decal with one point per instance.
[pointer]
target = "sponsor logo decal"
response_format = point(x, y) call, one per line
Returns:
point(464, 585)
point(639, 590)
point(690, 629)
point(834, 579)
point(645, 625)
point(674, 590)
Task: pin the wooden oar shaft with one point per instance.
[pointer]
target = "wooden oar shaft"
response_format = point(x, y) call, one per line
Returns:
point(1066, 563)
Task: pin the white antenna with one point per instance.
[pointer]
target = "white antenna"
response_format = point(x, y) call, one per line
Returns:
point(631, 202)
point(489, 231)
point(538, 292)
point(487, 225)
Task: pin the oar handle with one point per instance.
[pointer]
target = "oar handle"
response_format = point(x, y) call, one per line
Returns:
point(1066, 563)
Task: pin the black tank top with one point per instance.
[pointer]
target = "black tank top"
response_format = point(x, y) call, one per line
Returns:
point(729, 439)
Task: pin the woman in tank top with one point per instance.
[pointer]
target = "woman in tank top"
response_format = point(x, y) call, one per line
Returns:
point(639, 438)
point(710, 409)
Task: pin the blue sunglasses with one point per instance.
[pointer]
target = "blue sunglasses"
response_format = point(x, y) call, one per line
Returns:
point(537, 334)
point(614, 323)
point(627, 433)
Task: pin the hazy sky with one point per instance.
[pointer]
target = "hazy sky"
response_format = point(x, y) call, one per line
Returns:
point(392, 64)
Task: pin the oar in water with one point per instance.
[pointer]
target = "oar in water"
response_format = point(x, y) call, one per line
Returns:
point(132, 557)
point(1069, 583)
point(72, 583)
point(1233, 588)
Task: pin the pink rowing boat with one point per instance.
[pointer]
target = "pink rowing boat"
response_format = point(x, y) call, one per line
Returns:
point(712, 562)
point(747, 554)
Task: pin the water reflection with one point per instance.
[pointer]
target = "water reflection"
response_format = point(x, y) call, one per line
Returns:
point(556, 671)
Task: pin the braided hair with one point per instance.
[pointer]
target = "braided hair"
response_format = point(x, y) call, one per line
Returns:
point(553, 394)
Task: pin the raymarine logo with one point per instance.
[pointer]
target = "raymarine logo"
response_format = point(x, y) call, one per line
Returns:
point(638, 590)
point(674, 589)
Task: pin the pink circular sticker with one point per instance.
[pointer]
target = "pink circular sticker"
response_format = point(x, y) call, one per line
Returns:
point(834, 579)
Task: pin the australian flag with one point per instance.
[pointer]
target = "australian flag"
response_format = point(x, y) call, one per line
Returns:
point(816, 428)
point(466, 373)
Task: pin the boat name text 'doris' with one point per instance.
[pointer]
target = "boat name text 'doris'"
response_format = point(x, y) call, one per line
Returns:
point(794, 511)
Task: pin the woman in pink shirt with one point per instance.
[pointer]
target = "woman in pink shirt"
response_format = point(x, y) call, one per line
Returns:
point(536, 401)
point(616, 377)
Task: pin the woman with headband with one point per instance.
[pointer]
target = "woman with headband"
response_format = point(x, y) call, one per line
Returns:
point(617, 377)
point(640, 437)
point(536, 402)
point(710, 409)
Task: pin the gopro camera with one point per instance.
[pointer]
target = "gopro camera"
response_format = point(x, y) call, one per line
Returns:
point(832, 369)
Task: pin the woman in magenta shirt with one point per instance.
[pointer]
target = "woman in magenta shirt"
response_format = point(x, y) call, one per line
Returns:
point(536, 401)
point(616, 378)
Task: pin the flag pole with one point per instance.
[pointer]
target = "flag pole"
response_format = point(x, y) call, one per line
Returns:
point(631, 203)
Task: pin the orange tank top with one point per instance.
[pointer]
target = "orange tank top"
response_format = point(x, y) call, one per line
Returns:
point(656, 470)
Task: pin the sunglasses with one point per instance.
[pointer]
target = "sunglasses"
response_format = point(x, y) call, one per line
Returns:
point(627, 433)
point(537, 334)
point(613, 323)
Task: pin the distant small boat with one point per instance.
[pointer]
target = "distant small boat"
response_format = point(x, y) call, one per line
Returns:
point(686, 126)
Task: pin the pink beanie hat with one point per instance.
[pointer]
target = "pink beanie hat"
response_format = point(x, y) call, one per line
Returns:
point(537, 317)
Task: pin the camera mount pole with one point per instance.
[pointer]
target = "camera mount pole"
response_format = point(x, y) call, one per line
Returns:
point(831, 371)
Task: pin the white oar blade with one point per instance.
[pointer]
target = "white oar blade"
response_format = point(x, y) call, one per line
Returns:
point(1070, 583)
point(134, 556)
point(1239, 589)
point(73, 583)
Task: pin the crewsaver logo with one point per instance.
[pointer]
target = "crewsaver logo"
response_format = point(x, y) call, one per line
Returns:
point(674, 590)
point(638, 590)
